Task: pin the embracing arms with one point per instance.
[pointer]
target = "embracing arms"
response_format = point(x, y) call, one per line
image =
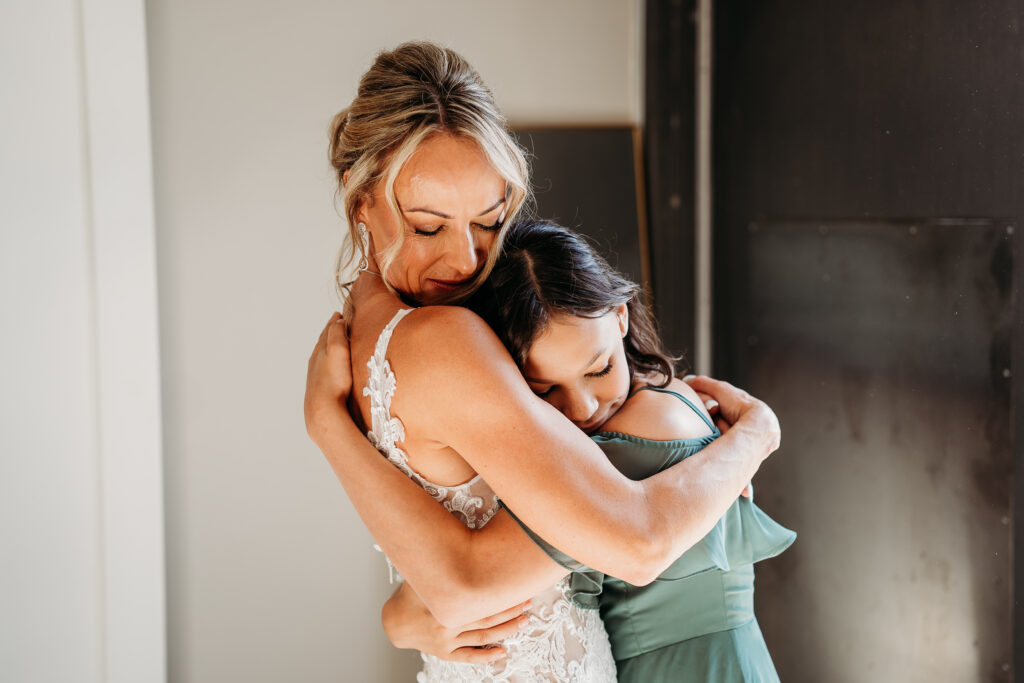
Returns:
point(461, 575)
point(552, 475)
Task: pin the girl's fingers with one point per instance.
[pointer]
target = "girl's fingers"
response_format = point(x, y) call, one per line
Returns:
point(476, 655)
point(499, 618)
point(494, 634)
point(321, 341)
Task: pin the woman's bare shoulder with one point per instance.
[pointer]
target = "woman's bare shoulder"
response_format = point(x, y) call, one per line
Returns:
point(440, 334)
point(659, 416)
point(440, 347)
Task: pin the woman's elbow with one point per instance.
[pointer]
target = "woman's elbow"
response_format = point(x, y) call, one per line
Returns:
point(649, 555)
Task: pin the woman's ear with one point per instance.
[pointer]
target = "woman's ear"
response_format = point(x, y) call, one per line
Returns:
point(344, 177)
point(622, 313)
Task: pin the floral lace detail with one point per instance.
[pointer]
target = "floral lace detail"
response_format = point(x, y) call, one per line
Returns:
point(563, 642)
point(473, 502)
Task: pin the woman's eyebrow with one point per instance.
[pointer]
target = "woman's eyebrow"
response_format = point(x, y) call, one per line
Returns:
point(446, 216)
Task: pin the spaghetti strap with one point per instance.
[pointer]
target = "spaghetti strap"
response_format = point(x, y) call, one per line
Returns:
point(682, 398)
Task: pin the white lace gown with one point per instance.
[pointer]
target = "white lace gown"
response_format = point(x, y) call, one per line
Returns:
point(562, 642)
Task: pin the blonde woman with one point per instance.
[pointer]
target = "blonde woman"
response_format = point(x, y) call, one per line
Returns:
point(431, 179)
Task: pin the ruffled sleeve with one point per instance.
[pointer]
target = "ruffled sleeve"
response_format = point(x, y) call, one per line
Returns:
point(743, 536)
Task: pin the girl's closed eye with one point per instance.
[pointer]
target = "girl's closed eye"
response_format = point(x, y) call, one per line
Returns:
point(602, 373)
point(545, 392)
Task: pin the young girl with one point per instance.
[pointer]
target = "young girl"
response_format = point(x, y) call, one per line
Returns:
point(587, 344)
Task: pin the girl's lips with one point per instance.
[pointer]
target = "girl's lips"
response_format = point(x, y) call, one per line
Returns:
point(593, 425)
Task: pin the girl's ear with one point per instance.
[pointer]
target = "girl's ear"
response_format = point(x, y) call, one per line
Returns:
point(622, 313)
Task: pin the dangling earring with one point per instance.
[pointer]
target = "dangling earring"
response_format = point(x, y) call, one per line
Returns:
point(364, 237)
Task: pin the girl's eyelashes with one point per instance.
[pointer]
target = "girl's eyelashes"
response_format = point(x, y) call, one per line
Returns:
point(493, 227)
point(429, 230)
point(600, 373)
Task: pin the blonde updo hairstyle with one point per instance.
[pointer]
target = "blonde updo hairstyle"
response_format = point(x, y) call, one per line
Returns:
point(409, 94)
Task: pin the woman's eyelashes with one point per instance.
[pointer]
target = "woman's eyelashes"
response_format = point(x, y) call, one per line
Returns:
point(601, 373)
point(429, 230)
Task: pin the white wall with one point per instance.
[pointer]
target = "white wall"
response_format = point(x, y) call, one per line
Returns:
point(80, 496)
point(270, 573)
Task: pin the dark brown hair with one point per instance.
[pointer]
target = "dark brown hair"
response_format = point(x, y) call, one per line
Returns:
point(546, 270)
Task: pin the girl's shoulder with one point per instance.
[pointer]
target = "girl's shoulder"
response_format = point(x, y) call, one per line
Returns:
point(661, 416)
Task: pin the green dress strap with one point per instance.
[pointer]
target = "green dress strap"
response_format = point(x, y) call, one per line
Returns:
point(663, 390)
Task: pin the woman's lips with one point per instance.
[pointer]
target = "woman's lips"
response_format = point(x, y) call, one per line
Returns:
point(450, 284)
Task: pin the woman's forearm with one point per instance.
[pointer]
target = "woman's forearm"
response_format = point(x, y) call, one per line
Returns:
point(686, 500)
point(558, 482)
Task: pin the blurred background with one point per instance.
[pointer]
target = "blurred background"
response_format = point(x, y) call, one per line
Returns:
point(824, 200)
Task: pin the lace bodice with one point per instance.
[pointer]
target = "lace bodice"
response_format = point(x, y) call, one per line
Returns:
point(563, 642)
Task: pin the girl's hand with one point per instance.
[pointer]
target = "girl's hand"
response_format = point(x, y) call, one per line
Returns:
point(328, 378)
point(410, 625)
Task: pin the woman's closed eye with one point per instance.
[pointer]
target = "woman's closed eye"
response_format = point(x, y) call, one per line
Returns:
point(429, 230)
point(601, 373)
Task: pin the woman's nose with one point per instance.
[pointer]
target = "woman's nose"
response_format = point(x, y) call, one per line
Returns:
point(466, 252)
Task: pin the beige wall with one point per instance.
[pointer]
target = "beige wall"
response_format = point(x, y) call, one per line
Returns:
point(81, 512)
point(271, 575)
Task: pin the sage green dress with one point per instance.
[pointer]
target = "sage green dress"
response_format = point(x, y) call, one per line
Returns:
point(696, 621)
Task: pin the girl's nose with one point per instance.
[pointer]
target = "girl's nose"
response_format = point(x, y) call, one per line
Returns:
point(581, 407)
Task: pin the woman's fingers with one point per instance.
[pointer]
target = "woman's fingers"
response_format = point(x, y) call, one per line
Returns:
point(709, 403)
point(723, 426)
point(735, 405)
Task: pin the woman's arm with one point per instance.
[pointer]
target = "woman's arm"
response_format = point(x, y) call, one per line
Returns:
point(470, 395)
point(461, 575)
point(559, 481)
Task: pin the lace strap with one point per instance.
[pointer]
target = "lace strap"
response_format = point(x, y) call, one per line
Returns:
point(380, 350)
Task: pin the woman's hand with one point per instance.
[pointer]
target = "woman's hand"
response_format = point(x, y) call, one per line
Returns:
point(730, 405)
point(328, 378)
point(727, 405)
point(410, 625)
